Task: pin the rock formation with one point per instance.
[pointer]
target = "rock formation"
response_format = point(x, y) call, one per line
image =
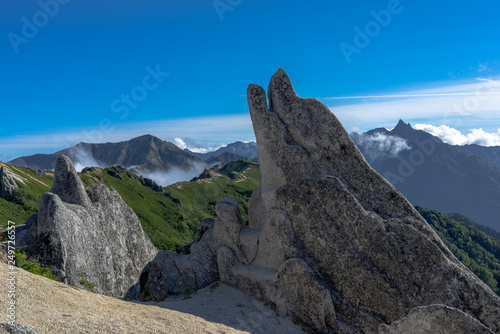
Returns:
point(89, 239)
point(329, 240)
point(153, 185)
point(8, 186)
point(170, 273)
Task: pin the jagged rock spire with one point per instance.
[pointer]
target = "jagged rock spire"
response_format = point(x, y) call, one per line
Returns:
point(67, 185)
point(329, 240)
point(92, 241)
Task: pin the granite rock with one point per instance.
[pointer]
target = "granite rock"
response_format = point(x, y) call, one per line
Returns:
point(90, 239)
point(436, 319)
point(8, 186)
point(329, 240)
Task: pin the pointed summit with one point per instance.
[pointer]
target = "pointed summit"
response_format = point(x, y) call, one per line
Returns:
point(67, 185)
point(402, 125)
point(280, 89)
point(404, 130)
point(102, 238)
point(323, 216)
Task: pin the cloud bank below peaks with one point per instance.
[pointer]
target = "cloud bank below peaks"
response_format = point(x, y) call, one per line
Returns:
point(379, 144)
point(190, 144)
point(454, 137)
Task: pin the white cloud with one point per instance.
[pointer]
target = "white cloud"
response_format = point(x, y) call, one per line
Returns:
point(380, 145)
point(193, 146)
point(458, 105)
point(83, 159)
point(175, 175)
point(454, 137)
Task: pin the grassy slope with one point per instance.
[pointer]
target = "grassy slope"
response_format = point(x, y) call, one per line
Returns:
point(236, 179)
point(161, 219)
point(168, 225)
point(27, 199)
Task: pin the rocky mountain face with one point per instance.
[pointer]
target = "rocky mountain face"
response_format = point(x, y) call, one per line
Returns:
point(8, 186)
point(490, 154)
point(90, 239)
point(433, 174)
point(142, 154)
point(239, 148)
point(329, 240)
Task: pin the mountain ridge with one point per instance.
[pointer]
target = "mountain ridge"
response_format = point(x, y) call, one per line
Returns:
point(145, 153)
point(243, 149)
point(437, 175)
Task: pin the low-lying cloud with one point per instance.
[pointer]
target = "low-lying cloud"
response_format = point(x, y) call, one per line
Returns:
point(175, 174)
point(454, 137)
point(379, 145)
point(81, 159)
point(191, 145)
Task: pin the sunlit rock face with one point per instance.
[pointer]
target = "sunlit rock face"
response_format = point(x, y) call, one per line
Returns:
point(91, 239)
point(329, 240)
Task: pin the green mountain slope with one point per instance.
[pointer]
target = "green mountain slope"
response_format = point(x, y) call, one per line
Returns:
point(171, 219)
point(160, 217)
point(236, 179)
point(475, 249)
point(32, 185)
point(464, 219)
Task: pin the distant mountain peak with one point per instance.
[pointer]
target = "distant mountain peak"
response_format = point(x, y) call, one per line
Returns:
point(147, 153)
point(377, 131)
point(402, 125)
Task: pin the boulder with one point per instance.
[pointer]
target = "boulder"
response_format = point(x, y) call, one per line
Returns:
point(329, 240)
point(8, 186)
point(91, 239)
point(171, 273)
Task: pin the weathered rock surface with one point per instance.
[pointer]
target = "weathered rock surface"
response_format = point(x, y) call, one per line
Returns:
point(193, 269)
point(91, 240)
point(8, 186)
point(436, 319)
point(15, 329)
point(329, 240)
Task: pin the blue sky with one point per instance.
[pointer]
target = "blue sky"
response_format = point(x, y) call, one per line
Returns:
point(67, 67)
